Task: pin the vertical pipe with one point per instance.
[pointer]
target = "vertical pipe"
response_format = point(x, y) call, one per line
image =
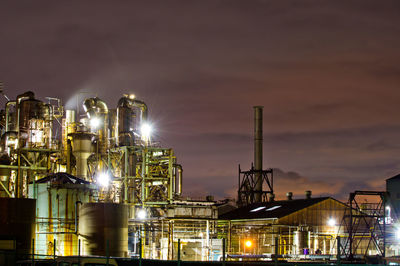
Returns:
point(179, 251)
point(223, 251)
point(338, 250)
point(276, 250)
point(107, 252)
point(54, 249)
point(258, 150)
point(126, 171)
point(79, 252)
point(140, 251)
point(69, 152)
point(33, 251)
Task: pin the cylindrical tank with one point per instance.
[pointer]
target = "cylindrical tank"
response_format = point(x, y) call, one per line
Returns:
point(125, 122)
point(178, 180)
point(17, 220)
point(34, 120)
point(97, 111)
point(81, 149)
point(102, 223)
point(302, 242)
point(112, 126)
point(131, 113)
point(29, 109)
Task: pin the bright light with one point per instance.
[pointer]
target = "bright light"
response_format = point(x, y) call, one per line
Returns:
point(141, 214)
point(95, 122)
point(132, 96)
point(103, 179)
point(331, 222)
point(248, 243)
point(397, 233)
point(146, 130)
point(258, 209)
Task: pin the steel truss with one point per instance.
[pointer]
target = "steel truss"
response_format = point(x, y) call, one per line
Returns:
point(364, 225)
point(247, 185)
point(28, 164)
point(147, 174)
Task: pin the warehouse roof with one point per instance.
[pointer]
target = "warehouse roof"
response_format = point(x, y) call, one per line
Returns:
point(62, 178)
point(270, 210)
point(394, 177)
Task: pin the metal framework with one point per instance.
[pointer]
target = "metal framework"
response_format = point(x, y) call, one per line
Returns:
point(29, 163)
point(248, 185)
point(147, 174)
point(364, 225)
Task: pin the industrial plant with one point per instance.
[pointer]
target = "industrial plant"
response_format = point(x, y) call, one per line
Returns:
point(97, 184)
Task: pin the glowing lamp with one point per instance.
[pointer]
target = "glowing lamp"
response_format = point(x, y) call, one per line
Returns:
point(146, 130)
point(95, 122)
point(141, 214)
point(248, 243)
point(331, 222)
point(103, 179)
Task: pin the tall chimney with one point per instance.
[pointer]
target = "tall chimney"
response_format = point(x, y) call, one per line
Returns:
point(258, 151)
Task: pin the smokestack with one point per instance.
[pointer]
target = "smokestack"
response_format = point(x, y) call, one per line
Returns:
point(258, 151)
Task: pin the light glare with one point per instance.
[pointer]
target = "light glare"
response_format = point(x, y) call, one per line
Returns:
point(103, 179)
point(331, 222)
point(248, 243)
point(146, 130)
point(95, 122)
point(141, 214)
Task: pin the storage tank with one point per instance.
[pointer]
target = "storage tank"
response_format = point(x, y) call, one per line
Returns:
point(17, 220)
point(34, 120)
point(100, 223)
point(302, 242)
point(58, 198)
point(81, 149)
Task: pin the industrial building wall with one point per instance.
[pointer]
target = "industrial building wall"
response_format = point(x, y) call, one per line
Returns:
point(321, 214)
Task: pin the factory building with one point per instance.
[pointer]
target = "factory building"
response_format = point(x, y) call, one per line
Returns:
point(302, 227)
point(393, 189)
point(96, 183)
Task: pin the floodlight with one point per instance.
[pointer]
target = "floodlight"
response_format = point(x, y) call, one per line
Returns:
point(331, 222)
point(248, 243)
point(103, 179)
point(95, 122)
point(146, 130)
point(141, 214)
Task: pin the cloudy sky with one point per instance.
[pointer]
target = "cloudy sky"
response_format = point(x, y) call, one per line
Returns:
point(326, 72)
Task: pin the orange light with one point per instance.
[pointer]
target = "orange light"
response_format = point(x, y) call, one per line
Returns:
point(248, 243)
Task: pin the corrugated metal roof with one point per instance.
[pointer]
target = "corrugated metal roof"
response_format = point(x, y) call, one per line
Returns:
point(62, 178)
point(394, 177)
point(269, 210)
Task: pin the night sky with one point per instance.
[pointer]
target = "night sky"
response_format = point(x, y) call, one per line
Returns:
point(326, 72)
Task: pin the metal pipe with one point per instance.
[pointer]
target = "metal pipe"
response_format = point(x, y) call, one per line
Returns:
point(258, 151)
point(24, 96)
point(125, 125)
point(7, 113)
point(76, 215)
point(178, 179)
point(97, 108)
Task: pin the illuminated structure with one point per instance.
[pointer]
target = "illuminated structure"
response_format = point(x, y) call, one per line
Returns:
point(100, 162)
point(103, 186)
